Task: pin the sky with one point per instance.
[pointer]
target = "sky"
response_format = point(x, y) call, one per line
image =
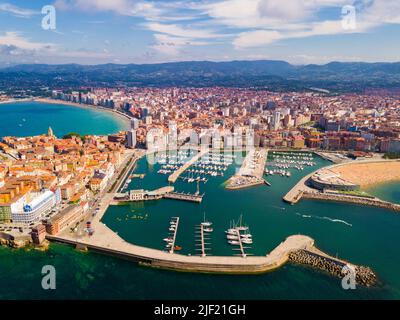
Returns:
point(141, 31)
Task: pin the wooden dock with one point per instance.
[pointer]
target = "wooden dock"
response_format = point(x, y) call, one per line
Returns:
point(201, 240)
point(184, 196)
point(174, 235)
point(241, 244)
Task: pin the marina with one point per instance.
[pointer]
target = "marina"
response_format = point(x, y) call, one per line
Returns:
point(175, 175)
point(239, 237)
point(171, 239)
point(191, 200)
point(281, 163)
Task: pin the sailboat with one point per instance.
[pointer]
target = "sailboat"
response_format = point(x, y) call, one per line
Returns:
point(241, 227)
point(232, 229)
point(247, 241)
point(206, 223)
point(233, 242)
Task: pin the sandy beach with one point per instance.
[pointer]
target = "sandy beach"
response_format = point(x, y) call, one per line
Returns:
point(15, 100)
point(125, 118)
point(369, 174)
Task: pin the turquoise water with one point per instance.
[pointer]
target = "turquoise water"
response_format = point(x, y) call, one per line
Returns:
point(363, 235)
point(388, 191)
point(33, 118)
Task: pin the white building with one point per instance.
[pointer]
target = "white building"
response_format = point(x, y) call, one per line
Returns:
point(135, 123)
point(148, 120)
point(33, 207)
point(136, 195)
point(131, 139)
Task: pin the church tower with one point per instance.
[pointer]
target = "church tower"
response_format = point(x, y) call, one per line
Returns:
point(50, 132)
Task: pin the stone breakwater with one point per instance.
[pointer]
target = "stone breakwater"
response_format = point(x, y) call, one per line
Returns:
point(364, 275)
point(374, 202)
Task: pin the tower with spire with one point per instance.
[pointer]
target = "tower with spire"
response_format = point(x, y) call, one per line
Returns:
point(50, 132)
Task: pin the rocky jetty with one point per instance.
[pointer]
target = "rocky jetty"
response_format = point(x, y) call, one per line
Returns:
point(14, 243)
point(373, 202)
point(364, 275)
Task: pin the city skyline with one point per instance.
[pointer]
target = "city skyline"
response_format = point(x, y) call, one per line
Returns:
point(124, 31)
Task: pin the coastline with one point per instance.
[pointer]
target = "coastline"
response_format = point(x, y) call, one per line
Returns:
point(302, 191)
point(16, 100)
point(124, 118)
point(370, 174)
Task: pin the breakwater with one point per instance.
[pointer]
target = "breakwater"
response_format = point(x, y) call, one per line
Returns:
point(373, 202)
point(293, 249)
point(364, 275)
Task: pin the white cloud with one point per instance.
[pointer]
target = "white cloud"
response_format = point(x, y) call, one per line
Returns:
point(17, 11)
point(259, 38)
point(256, 38)
point(255, 23)
point(118, 6)
point(14, 44)
point(173, 46)
point(123, 7)
point(181, 31)
point(13, 38)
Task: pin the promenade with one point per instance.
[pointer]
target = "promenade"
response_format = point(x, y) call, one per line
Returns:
point(106, 241)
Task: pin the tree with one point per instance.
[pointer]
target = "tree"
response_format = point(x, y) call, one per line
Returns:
point(71, 134)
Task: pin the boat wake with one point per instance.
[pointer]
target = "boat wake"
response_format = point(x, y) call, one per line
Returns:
point(276, 207)
point(324, 218)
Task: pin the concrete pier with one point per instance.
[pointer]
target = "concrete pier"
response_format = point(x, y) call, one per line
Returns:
point(295, 194)
point(251, 172)
point(174, 176)
point(104, 240)
point(184, 196)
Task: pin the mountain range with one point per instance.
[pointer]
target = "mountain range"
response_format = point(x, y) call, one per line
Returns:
point(278, 75)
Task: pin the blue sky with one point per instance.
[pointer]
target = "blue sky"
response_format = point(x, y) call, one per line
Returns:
point(136, 31)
